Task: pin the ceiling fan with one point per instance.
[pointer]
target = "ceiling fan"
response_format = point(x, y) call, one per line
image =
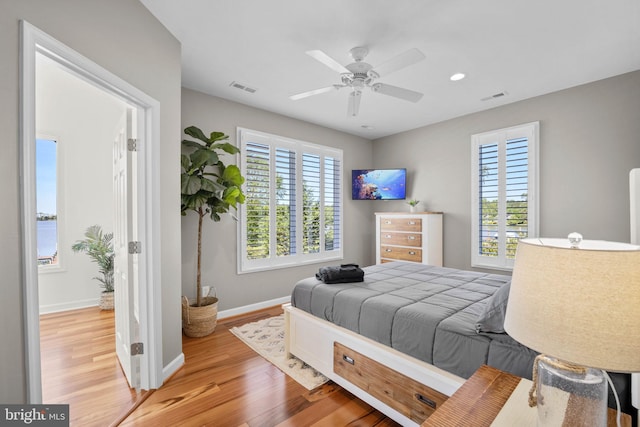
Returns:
point(359, 75)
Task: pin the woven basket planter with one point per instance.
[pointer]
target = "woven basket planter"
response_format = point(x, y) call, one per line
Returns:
point(199, 321)
point(106, 301)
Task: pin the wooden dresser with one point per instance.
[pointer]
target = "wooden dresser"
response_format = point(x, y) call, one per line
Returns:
point(404, 236)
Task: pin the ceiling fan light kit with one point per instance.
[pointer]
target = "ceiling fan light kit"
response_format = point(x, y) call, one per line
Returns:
point(360, 74)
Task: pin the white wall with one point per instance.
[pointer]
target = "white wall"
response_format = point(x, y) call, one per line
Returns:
point(220, 243)
point(124, 38)
point(83, 120)
point(589, 141)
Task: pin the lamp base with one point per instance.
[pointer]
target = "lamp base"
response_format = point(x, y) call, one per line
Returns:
point(570, 395)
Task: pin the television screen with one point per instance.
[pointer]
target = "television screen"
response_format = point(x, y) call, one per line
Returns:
point(379, 184)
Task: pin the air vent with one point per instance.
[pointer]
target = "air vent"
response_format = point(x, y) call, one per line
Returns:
point(243, 87)
point(494, 96)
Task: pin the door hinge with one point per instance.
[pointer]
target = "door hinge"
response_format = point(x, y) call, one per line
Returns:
point(132, 144)
point(135, 247)
point(137, 348)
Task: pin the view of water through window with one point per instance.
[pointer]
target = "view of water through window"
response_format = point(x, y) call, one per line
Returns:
point(46, 196)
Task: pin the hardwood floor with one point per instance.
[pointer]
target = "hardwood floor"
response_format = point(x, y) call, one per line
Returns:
point(223, 382)
point(79, 367)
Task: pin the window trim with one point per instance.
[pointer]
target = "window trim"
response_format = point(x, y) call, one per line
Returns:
point(245, 265)
point(500, 136)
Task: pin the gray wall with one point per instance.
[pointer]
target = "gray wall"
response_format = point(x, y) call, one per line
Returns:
point(219, 250)
point(589, 141)
point(123, 37)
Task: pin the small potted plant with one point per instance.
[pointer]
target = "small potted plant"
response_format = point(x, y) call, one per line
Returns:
point(412, 204)
point(208, 187)
point(99, 247)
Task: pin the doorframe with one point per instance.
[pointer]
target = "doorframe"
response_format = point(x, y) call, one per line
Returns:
point(33, 41)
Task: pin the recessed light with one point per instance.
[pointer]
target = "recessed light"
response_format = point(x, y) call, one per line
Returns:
point(457, 76)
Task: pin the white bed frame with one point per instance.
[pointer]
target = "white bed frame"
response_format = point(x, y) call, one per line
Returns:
point(311, 339)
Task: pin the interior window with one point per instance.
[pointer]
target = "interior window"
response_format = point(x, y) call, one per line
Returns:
point(46, 201)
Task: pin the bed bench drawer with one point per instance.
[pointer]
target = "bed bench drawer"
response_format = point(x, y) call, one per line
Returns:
point(404, 254)
point(407, 396)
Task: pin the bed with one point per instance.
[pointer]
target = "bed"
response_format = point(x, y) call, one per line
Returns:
point(414, 323)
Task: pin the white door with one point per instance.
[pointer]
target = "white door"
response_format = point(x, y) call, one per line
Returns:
point(126, 271)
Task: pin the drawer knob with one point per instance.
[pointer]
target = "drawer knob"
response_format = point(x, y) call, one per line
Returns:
point(348, 359)
point(388, 236)
point(425, 400)
point(412, 237)
point(412, 223)
point(387, 222)
point(387, 250)
point(412, 253)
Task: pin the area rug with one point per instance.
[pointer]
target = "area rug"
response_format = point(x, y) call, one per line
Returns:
point(266, 337)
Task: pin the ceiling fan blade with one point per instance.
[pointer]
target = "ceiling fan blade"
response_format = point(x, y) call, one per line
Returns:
point(354, 103)
point(328, 61)
point(314, 92)
point(399, 62)
point(398, 92)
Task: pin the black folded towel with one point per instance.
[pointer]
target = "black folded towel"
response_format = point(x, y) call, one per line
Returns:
point(344, 273)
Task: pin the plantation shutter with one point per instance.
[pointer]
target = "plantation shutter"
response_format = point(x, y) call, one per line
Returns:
point(488, 206)
point(293, 210)
point(517, 177)
point(257, 181)
point(504, 205)
point(332, 205)
point(311, 203)
point(286, 202)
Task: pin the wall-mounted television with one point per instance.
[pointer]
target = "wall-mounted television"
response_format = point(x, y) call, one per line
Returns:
point(379, 184)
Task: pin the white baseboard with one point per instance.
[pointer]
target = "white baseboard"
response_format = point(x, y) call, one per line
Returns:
point(172, 367)
point(253, 307)
point(74, 305)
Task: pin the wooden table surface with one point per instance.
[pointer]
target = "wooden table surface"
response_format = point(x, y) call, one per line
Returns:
point(480, 399)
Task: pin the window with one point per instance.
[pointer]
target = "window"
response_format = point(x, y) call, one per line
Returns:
point(293, 209)
point(47, 231)
point(504, 193)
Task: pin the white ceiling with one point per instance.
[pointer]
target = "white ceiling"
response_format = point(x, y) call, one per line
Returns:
point(523, 47)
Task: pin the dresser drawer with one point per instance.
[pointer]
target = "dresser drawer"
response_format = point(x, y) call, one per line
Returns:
point(407, 396)
point(403, 239)
point(403, 254)
point(401, 224)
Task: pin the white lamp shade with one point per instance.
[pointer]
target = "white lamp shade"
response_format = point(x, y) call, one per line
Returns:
point(579, 305)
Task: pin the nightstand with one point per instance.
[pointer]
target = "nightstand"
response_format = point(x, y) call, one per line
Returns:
point(481, 398)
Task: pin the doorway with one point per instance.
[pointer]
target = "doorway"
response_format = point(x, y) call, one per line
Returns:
point(146, 297)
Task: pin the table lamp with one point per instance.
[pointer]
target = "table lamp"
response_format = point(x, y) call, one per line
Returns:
point(578, 303)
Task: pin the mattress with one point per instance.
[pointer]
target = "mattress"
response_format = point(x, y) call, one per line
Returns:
point(427, 312)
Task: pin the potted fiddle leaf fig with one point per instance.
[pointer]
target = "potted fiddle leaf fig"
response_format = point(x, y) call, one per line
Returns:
point(208, 188)
point(99, 247)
